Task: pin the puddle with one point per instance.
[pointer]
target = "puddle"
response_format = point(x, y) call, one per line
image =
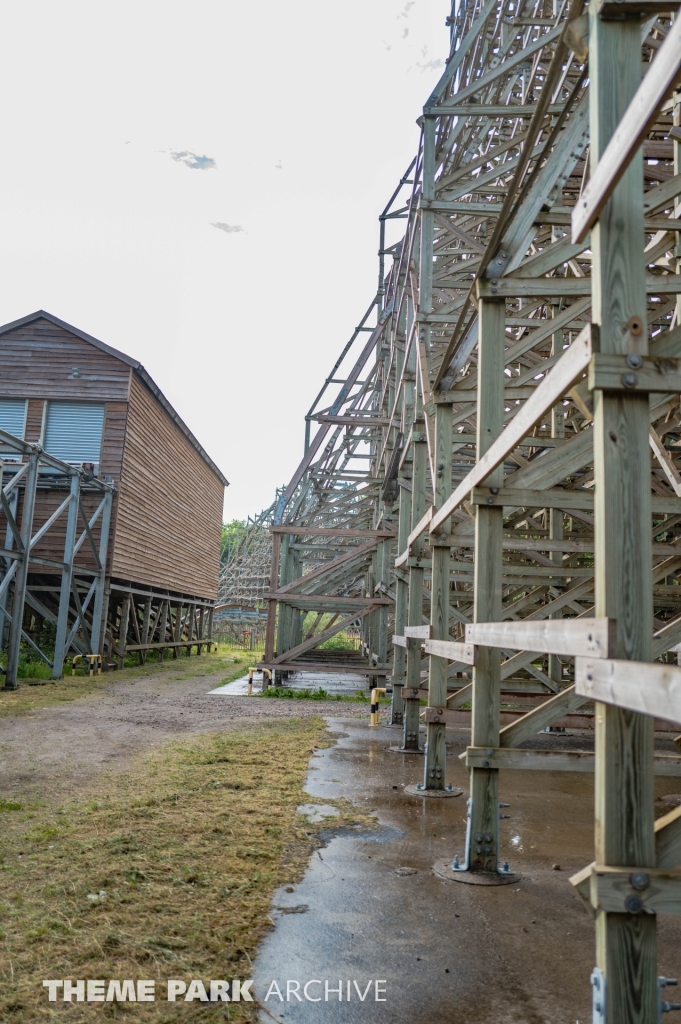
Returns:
point(365, 833)
point(317, 812)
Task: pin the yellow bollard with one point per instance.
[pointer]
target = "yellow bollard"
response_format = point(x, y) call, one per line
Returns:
point(265, 672)
point(373, 717)
point(93, 660)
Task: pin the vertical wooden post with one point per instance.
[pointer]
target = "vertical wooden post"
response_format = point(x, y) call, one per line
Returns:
point(66, 578)
point(163, 625)
point(625, 943)
point(146, 619)
point(123, 630)
point(99, 609)
point(21, 577)
point(484, 831)
point(272, 605)
point(435, 760)
point(285, 611)
point(177, 634)
point(383, 575)
point(401, 596)
point(191, 615)
point(415, 605)
point(556, 514)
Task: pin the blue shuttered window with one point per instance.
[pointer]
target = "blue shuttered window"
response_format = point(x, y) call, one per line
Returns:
point(13, 416)
point(73, 431)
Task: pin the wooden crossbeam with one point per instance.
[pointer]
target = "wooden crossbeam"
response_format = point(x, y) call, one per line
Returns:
point(451, 649)
point(647, 687)
point(567, 637)
point(558, 287)
point(552, 760)
point(332, 531)
point(417, 632)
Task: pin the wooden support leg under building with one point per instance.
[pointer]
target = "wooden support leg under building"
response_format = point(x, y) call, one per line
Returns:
point(21, 576)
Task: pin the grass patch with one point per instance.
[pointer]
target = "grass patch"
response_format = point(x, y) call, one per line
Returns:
point(165, 872)
point(29, 698)
point(280, 691)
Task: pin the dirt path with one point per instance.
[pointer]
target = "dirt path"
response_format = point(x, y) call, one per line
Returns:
point(56, 748)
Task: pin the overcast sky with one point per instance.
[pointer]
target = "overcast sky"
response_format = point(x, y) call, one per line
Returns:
point(198, 184)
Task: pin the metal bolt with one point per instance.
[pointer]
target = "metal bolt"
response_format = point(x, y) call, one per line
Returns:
point(478, 837)
point(634, 361)
point(639, 880)
point(629, 380)
point(494, 490)
point(487, 837)
point(478, 849)
point(490, 501)
point(489, 752)
point(633, 904)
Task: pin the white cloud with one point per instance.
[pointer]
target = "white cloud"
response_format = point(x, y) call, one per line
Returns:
point(229, 229)
point(193, 160)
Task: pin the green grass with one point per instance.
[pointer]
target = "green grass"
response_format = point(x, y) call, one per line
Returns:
point(280, 691)
point(165, 871)
point(28, 698)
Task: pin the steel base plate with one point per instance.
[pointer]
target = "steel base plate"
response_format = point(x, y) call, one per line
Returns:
point(401, 750)
point(443, 869)
point(414, 790)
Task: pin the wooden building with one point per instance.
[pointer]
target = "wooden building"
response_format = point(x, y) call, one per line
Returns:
point(94, 407)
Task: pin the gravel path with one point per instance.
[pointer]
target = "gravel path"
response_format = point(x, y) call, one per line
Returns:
point(57, 748)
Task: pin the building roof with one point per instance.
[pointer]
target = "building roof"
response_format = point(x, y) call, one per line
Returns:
point(136, 367)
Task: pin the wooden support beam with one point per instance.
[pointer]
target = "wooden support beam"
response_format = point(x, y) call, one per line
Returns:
point(319, 531)
point(626, 140)
point(623, 891)
point(553, 760)
point(566, 371)
point(647, 687)
point(668, 839)
point(485, 723)
point(422, 632)
point(564, 287)
point(326, 634)
point(568, 637)
point(633, 372)
point(626, 945)
point(452, 650)
point(545, 715)
point(330, 566)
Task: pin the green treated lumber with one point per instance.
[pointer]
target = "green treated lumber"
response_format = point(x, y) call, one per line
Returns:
point(626, 948)
point(484, 781)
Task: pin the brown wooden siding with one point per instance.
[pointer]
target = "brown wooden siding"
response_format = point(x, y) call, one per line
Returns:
point(34, 419)
point(37, 360)
point(165, 529)
point(169, 505)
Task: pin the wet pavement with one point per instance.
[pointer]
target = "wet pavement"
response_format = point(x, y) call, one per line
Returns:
point(346, 684)
point(403, 945)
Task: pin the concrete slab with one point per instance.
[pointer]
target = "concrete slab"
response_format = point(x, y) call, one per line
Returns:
point(345, 684)
point(370, 909)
